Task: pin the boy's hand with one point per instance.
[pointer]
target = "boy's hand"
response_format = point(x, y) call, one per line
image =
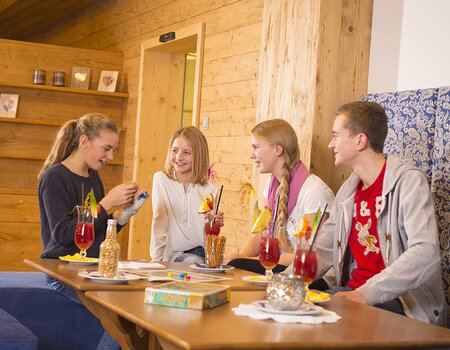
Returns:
point(354, 295)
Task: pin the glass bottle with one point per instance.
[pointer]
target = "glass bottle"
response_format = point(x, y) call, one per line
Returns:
point(109, 252)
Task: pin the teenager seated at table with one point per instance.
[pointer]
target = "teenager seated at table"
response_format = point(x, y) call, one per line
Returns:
point(177, 227)
point(81, 147)
point(381, 237)
point(275, 150)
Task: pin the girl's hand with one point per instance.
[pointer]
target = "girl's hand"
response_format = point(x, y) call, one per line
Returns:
point(138, 193)
point(119, 195)
point(218, 217)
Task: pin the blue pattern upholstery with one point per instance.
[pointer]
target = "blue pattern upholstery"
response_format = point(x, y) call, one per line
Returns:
point(58, 322)
point(419, 129)
point(14, 335)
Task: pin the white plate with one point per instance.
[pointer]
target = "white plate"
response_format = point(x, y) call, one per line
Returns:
point(122, 277)
point(87, 261)
point(304, 309)
point(259, 280)
point(202, 267)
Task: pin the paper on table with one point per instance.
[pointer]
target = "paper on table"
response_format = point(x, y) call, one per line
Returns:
point(322, 317)
point(139, 265)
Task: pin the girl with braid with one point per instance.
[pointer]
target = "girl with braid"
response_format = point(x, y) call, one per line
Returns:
point(275, 151)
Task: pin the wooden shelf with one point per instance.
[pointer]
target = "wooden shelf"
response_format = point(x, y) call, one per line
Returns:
point(64, 90)
point(42, 122)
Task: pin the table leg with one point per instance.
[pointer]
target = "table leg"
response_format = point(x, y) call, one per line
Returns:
point(123, 331)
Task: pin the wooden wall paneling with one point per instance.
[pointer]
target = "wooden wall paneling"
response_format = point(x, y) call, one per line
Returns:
point(327, 89)
point(18, 240)
point(288, 66)
point(231, 69)
point(329, 63)
point(26, 140)
point(18, 207)
point(34, 142)
point(233, 29)
point(353, 73)
point(239, 122)
point(14, 170)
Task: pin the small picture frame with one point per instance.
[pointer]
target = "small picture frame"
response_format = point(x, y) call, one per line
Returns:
point(8, 105)
point(108, 81)
point(80, 78)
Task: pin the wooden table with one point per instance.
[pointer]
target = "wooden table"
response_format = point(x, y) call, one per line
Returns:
point(68, 273)
point(128, 335)
point(361, 326)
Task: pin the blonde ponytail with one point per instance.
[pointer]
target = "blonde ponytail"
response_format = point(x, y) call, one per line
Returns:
point(67, 138)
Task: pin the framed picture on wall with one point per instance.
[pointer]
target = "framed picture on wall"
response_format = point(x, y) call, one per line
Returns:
point(80, 78)
point(108, 81)
point(8, 105)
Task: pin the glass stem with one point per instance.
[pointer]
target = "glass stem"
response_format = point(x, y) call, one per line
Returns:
point(269, 274)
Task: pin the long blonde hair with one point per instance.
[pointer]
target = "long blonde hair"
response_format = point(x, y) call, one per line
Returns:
point(68, 136)
point(280, 132)
point(200, 154)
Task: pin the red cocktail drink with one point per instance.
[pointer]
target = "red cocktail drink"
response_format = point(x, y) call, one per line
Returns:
point(305, 265)
point(269, 252)
point(84, 235)
point(84, 232)
point(212, 228)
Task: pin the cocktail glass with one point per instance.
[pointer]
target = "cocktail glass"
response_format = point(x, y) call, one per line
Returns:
point(214, 244)
point(84, 232)
point(305, 261)
point(269, 252)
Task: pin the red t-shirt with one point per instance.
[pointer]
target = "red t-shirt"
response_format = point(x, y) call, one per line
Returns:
point(363, 239)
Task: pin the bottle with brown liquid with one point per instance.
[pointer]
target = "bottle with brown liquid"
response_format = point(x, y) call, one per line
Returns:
point(109, 252)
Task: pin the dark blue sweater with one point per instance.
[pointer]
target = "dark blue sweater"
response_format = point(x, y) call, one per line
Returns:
point(59, 192)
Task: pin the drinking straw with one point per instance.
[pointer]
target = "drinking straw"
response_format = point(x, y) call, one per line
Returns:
point(316, 233)
point(218, 202)
point(275, 216)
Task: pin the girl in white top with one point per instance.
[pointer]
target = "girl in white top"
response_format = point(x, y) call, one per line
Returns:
point(275, 150)
point(177, 227)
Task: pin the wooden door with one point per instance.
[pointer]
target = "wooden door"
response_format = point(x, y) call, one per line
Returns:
point(159, 115)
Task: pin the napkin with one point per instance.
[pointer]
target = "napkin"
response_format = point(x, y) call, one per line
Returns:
point(324, 316)
point(139, 265)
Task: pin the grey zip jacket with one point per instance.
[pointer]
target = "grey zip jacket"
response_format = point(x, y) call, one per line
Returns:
point(408, 238)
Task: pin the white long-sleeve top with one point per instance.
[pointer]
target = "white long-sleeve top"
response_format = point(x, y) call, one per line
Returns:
point(176, 224)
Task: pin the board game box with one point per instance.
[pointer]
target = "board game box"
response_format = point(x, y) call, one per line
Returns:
point(188, 295)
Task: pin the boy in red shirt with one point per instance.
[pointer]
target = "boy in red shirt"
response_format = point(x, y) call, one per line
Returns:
point(381, 238)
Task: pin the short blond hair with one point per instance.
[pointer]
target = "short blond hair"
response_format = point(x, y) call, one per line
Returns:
point(200, 154)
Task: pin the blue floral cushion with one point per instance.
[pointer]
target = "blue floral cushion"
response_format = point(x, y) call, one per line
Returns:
point(419, 129)
point(411, 121)
point(440, 183)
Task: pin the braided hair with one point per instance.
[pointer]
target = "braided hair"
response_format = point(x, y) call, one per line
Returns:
point(280, 132)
